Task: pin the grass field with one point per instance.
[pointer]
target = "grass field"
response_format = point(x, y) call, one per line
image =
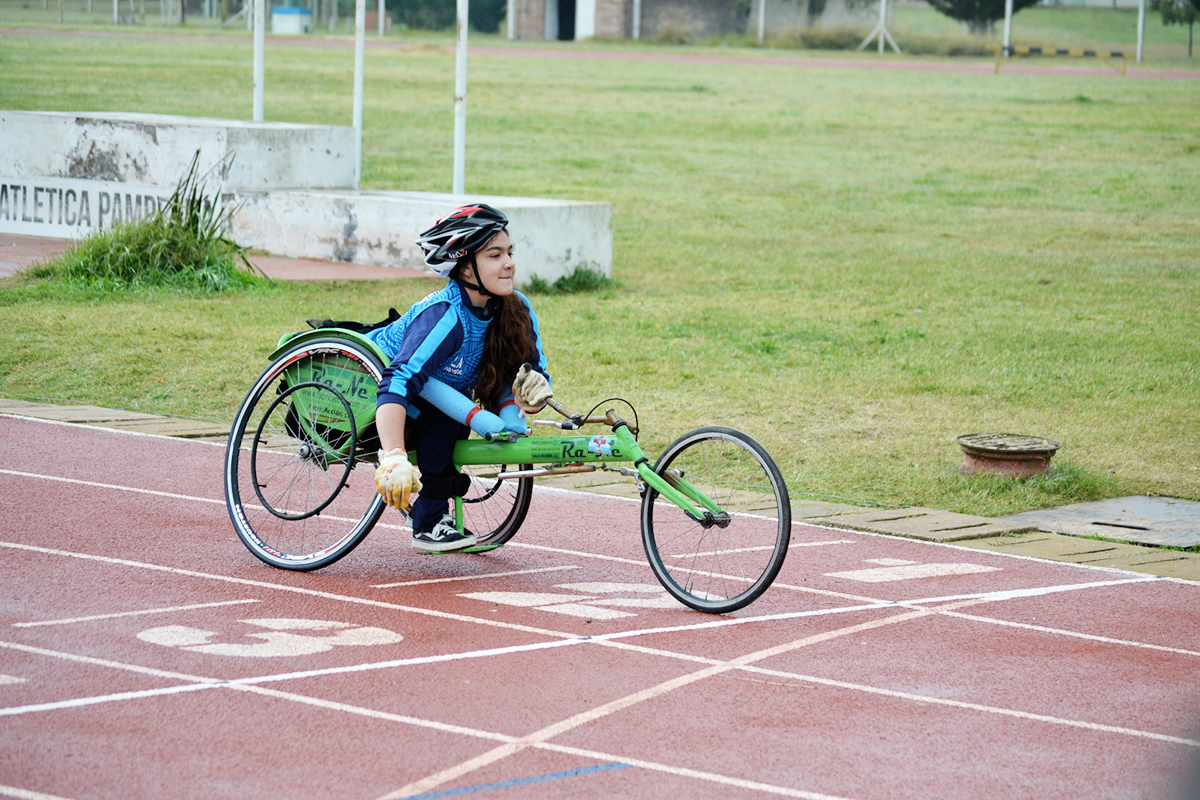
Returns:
point(853, 265)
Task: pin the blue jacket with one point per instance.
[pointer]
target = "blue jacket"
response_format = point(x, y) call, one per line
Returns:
point(441, 337)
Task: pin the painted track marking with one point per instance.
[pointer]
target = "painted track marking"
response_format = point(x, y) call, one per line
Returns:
point(94, 617)
point(908, 572)
point(25, 794)
point(553, 776)
point(508, 574)
point(997, 596)
point(718, 668)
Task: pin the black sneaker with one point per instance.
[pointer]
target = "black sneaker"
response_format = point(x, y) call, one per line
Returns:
point(444, 538)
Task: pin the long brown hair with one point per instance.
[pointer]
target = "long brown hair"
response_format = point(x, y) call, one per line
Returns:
point(508, 344)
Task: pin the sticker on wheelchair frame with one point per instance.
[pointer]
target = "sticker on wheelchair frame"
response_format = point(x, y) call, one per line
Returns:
point(601, 445)
point(280, 641)
point(590, 603)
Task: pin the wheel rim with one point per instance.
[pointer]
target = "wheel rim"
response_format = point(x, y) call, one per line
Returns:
point(298, 449)
point(493, 509)
point(725, 562)
point(316, 539)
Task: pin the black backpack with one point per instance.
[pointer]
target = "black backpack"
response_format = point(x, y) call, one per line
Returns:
point(357, 327)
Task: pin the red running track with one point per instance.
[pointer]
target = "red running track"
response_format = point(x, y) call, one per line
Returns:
point(144, 653)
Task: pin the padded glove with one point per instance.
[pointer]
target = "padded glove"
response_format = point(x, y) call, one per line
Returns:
point(531, 390)
point(397, 479)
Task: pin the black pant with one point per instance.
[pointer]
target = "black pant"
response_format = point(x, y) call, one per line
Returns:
point(434, 435)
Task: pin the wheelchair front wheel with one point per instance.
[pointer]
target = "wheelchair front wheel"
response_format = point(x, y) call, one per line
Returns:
point(493, 509)
point(297, 486)
point(726, 561)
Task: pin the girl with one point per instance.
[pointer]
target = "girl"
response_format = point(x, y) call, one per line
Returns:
point(473, 335)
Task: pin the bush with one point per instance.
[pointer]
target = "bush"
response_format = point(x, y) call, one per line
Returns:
point(581, 280)
point(851, 38)
point(181, 246)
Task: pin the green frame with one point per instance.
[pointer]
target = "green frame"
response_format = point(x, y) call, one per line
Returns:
point(619, 447)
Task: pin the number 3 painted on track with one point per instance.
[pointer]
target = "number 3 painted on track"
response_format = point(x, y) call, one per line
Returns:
point(279, 642)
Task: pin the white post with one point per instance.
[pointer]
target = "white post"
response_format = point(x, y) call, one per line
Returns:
point(762, 19)
point(260, 29)
point(637, 19)
point(116, 13)
point(1008, 12)
point(460, 101)
point(360, 47)
point(510, 18)
point(882, 22)
point(382, 8)
point(1141, 28)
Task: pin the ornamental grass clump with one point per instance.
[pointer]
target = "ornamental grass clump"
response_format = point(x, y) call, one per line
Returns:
point(182, 246)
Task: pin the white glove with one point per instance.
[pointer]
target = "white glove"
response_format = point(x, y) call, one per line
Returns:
point(531, 390)
point(397, 479)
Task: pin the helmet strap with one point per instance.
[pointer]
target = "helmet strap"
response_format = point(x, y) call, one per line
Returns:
point(478, 285)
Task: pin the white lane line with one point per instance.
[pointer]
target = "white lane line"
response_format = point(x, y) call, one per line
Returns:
point(131, 613)
point(908, 572)
point(870, 605)
point(1060, 632)
point(431, 782)
point(1005, 712)
point(285, 588)
point(763, 547)
point(641, 562)
point(96, 485)
point(80, 702)
point(685, 772)
point(473, 577)
point(26, 794)
point(8, 680)
point(170, 495)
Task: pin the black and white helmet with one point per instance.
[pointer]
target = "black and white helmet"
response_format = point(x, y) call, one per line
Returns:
point(460, 233)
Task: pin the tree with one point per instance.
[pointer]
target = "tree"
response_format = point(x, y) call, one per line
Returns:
point(1178, 12)
point(981, 15)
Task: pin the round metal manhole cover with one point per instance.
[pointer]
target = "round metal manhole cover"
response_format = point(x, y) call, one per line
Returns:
point(1007, 443)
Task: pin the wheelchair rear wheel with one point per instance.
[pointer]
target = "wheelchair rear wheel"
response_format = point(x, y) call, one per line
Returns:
point(298, 484)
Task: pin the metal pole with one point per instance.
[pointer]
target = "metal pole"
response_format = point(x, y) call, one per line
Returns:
point(116, 13)
point(1141, 28)
point(762, 19)
point(510, 15)
point(882, 23)
point(460, 101)
point(637, 19)
point(382, 16)
point(1008, 12)
point(260, 29)
point(360, 47)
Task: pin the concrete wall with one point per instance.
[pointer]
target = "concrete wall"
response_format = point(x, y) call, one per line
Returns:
point(550, 237)
point(67, 175)
point(155, 149)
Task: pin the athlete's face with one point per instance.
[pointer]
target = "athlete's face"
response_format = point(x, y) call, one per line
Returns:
point(496, 267)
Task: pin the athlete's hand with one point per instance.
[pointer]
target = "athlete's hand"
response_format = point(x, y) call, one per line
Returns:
point(531, 390)
point(397, 479)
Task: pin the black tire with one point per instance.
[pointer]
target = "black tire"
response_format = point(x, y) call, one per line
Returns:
point(723, 563)
point(299, 474)
point(494, 509)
